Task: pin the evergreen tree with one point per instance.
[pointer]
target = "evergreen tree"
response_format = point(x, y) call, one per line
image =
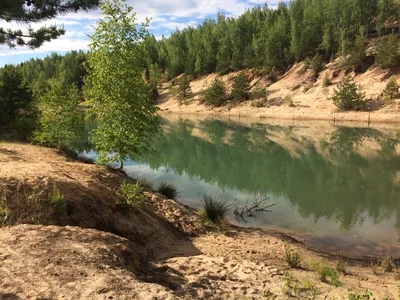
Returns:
point(348, 96)
point(15, 96)
point(240, 86)
point(388, 51)
point(216, 93)
point(34, 11)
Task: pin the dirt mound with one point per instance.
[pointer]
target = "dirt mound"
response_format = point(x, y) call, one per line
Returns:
point(39, 262)
point(30, 176)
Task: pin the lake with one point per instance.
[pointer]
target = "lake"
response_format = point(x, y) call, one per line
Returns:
point(335, 187)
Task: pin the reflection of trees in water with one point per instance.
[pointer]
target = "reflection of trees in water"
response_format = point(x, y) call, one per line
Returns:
point(342, 186)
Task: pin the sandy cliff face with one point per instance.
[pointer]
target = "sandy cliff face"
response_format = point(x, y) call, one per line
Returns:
point(311, 100)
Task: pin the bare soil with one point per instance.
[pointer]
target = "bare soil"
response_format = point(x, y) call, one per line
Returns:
point(94, 250)
point(311, 100)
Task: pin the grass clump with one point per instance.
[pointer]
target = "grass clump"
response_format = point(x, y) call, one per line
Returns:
point(292, 258)
point(387, 265)
point(326, 274)
point(303, 289)
point(341, 265)
point(57, 201)
point(215, 209)
point(348, 96)
point(289, 101)
point(356, 296)
point(391, 90)
point(132, 196)
point(168, 190)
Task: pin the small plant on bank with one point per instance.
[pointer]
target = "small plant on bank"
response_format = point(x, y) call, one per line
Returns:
point(341, 265)
point(215, 209)
point(144, 183)
point(391, 90)
point(326, 82)
point(317, 64)
point(292, 258)
point(259, 92)
point(387, 265)
point(259, 103)
point(240, 87)
point(366, 296)
point(168, 190)
point(289, 101)
point(348, 96)
point(216, 94)
point(131, 195)
point(182, 90)
point(57, 201)
point(326, 274)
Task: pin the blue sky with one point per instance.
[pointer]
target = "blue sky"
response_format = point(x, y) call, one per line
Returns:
point(167, 15)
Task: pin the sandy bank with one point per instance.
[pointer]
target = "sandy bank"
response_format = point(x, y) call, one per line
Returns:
point(311, 100)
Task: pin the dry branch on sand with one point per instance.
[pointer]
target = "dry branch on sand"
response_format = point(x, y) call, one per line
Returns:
point(259, 205)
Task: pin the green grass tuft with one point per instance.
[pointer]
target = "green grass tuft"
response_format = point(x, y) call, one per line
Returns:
point(292, 258)
point(215, 209)
point(168, 190)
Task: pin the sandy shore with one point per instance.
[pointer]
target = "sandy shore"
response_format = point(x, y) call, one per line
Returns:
point(95, 250)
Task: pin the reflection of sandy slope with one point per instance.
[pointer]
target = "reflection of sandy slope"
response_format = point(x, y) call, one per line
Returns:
point(296, 137)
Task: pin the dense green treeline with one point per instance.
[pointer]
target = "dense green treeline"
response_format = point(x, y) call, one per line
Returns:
point(345, 184)
point(268, 38)
point(22, 86)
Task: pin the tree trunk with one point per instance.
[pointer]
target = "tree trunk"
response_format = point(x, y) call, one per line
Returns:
point(121, 166)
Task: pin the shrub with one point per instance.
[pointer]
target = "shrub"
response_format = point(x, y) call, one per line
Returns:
point(168, 190)
point(388, 51)
point(259, 103)
point(307, 63)
point(289, 101)
point(182, 90)
point(348, 96)
point(317, 64)
point(366, 296)
point(215, 94)
point(259, 92)
point(391, 90)
point(57, 202)
point(132, 196)
point(341, 265)
point(327, 81)
point(292, 258)
point(326, 274)
point(387, 265)
point(215, 209)
point(240, 86)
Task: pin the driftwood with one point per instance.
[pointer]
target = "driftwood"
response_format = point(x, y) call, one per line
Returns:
point(259, 205)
